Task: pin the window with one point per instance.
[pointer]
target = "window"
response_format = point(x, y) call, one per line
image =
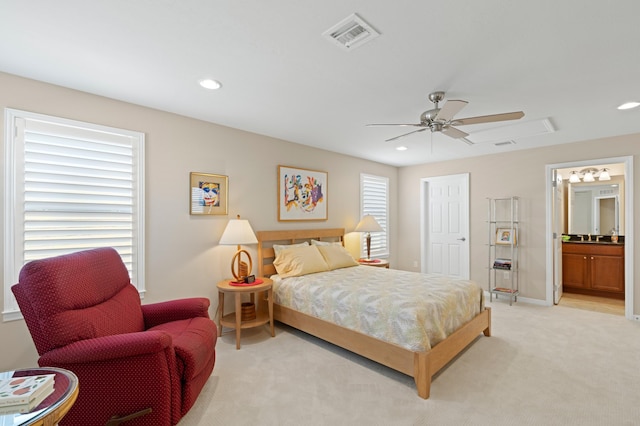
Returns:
point(374, 193)
point(70, 186)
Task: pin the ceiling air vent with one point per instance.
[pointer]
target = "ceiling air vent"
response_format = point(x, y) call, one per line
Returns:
point(351, 32)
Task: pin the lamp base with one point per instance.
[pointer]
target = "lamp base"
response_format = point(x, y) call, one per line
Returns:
point(240, 269)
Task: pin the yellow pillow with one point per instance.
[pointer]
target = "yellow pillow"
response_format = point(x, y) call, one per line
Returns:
point(296, 261)
point(277, 248)
point(337, 256)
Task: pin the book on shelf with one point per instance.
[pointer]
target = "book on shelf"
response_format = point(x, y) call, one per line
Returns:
point(505, 267)
point(501, 263)
point(24, 390)
point(505, 290)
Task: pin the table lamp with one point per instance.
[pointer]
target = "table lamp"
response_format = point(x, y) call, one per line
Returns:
point(237, 232)
point(368, 224)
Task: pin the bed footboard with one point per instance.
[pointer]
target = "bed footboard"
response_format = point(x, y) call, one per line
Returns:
point(420, 365)
point(426, 364)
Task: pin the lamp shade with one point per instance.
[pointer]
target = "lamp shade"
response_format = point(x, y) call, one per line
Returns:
point(604, 175)
point(238, 231)
point(368, 224)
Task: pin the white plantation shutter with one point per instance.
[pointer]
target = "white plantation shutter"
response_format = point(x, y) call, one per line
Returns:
point(73, 186)
point(374, 193)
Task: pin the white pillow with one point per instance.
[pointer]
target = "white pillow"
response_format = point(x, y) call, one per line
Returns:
point(301, 260)
point(337, 256)
point(277, 248)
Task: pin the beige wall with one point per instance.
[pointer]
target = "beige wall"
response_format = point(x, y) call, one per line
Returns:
point(521, 174)
point(182, 255)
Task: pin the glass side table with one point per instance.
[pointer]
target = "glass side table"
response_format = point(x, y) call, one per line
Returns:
point(54, 407)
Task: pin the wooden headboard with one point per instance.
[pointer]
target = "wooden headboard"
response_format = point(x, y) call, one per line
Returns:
point(266, 240)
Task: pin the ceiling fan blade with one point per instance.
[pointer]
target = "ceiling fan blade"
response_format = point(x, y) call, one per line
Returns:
point(407, 134)
point(400, 124)
point(452, 132)
point(450, 109)
point(489, 118)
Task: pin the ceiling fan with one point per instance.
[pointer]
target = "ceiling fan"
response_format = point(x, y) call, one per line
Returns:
point(442, 119)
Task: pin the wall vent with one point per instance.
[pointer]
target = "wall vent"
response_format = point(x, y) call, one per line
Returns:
point(351, 32)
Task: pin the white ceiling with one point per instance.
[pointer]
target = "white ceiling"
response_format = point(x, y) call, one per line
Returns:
point(570, 61)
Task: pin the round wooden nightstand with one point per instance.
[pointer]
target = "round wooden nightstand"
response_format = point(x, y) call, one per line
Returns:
point(234, 319)
point(378, 263)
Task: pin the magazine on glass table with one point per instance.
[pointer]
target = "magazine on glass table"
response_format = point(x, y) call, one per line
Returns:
point(25, 390)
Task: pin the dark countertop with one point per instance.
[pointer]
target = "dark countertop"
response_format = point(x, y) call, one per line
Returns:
point(609, 243)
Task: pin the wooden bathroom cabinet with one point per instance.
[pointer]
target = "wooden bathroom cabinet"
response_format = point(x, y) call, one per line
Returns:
point(594, 269)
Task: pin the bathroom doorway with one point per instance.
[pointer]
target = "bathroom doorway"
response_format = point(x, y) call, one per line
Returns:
point(622, 168)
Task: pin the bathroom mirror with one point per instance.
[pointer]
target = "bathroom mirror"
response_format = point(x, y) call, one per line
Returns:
point(595, 209)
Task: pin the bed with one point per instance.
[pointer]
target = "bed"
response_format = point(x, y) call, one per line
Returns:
point(416, 359)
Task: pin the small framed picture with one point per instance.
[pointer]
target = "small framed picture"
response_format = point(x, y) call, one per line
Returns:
point(506, 236)
point(209, 193)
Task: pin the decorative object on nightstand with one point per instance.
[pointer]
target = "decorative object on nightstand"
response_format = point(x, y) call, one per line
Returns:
point(245, 315)
point(368, 224)
point(238, 232)
point(380, 263)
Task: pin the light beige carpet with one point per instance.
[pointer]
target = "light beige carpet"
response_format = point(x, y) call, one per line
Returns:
point(542, 366)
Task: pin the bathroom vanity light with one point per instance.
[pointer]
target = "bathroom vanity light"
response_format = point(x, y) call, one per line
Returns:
point(589, 174)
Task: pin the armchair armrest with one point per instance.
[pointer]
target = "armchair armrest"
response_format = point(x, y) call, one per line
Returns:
point(174, 310)
point(107, 348)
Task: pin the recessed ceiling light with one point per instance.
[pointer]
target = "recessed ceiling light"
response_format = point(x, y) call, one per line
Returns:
point(401, 148)
point(210, 84)
point(629, 105)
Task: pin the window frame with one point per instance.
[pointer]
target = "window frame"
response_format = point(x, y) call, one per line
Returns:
point(368, 205)
point(15, 189)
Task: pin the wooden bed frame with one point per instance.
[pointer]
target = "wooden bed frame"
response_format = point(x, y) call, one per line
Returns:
point(420, 365)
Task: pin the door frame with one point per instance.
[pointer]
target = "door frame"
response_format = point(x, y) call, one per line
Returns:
point(424, 219)
point(557, 191)
point(628, 235)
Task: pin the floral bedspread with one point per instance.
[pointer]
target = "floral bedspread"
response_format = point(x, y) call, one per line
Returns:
point(412, 310)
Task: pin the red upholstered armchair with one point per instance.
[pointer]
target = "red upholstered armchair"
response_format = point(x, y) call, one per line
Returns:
point(85, 315)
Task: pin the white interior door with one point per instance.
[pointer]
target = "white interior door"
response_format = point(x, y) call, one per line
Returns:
point(557, 227)
point(445, 225)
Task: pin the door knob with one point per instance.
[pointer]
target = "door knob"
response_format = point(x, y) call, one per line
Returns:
point(462, 239)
